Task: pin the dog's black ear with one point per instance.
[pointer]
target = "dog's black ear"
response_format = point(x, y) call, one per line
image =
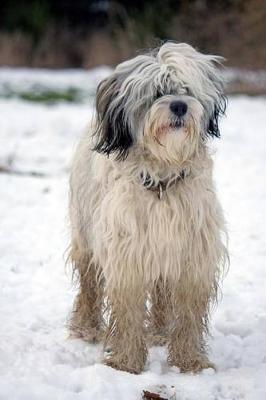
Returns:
point(219, 110)
point(112, 134)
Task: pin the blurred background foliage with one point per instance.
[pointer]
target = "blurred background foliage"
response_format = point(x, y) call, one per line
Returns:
point(83, 33)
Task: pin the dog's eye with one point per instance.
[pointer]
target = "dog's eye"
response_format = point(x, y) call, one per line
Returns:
point(158, 94)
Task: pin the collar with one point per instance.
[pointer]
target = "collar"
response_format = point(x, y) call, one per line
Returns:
point(161, 187)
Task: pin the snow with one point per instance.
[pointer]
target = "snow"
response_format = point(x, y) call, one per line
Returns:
point(26, 79)
point(37, 360)
point(255, 78)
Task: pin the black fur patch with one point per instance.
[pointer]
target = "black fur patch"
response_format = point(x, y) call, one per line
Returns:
point(219, 110)
point(115, 137)
point(113, 134)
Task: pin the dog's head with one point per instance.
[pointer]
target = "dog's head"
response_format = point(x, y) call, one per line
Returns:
point(167, 102)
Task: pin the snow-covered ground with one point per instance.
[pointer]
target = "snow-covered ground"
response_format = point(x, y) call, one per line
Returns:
point(14, 83)
point(37, 361)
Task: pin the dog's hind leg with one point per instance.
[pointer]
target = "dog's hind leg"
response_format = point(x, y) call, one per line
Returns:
point(158, 313)
point(86, 320)
point(124, 345)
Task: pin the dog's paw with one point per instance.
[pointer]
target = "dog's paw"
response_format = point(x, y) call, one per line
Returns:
point(132, 363)
point(89, 335)
point(195, 365)
point(132, 369)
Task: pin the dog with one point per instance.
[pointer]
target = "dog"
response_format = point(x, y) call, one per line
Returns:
point(148, 235)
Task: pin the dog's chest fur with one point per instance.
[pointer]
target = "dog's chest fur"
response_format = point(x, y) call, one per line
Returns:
point(138, 230)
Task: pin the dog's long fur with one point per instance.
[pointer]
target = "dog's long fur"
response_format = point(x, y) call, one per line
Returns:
point(149, 268)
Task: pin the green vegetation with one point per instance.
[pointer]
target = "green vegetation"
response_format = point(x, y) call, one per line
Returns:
point(48, 96)
point(51, 96)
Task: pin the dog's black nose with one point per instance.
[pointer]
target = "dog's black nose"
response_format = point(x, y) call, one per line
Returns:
point(179, 108)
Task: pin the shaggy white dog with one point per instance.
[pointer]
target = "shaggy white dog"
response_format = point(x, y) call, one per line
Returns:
point(147, 228)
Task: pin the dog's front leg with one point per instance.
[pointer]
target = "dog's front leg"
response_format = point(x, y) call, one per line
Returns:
point(187, 347)
point(125, 346)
